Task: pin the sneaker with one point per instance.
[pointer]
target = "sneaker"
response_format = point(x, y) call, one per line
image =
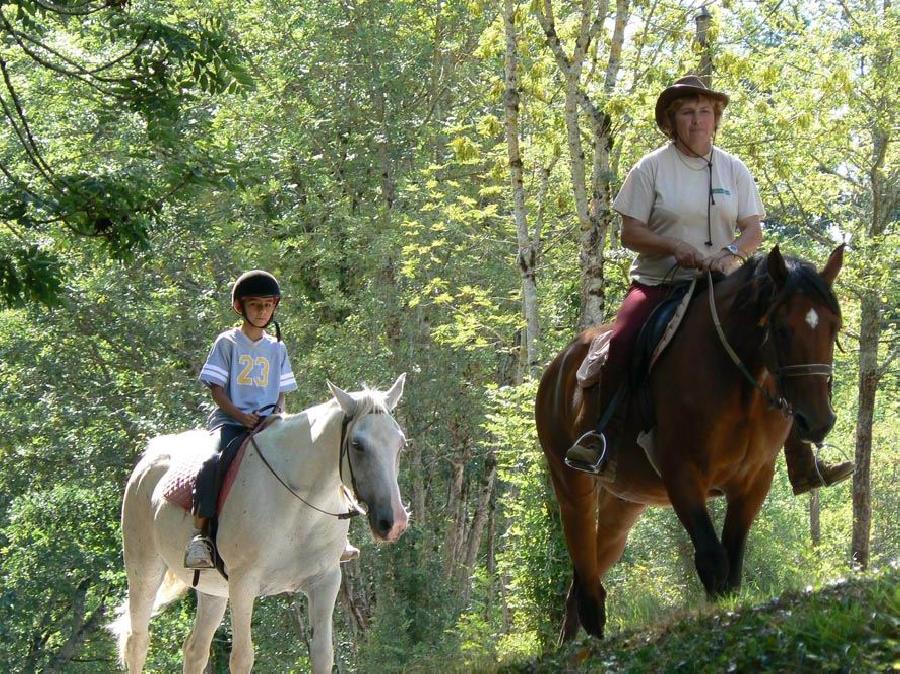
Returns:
point(349, 553)
point(826, 475)
point(589, 455)
point(199, 553)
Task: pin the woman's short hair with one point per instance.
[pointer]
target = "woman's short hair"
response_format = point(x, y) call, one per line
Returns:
point(675, 105)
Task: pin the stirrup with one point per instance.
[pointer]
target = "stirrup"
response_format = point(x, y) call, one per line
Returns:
point(593, 468)
point(200, 553)
point(350, 553)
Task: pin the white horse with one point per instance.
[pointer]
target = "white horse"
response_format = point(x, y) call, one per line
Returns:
point(270, 540)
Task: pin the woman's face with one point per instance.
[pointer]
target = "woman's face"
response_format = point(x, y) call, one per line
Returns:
point(695, 123)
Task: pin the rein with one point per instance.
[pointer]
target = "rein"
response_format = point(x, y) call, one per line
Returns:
point(780, 372)
point(344, 451)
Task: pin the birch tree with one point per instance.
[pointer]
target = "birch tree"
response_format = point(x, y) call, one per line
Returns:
point(529, 244)
point(591, 190)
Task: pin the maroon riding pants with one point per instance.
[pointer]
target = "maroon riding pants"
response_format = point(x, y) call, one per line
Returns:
point(639, 303)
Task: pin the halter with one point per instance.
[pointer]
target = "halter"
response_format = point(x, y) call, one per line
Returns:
point(344, 451)
point(780, 372)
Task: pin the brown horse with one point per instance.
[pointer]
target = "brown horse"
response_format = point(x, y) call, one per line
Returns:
point(718, 429)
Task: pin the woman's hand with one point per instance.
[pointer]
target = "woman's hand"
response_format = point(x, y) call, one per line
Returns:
point(686, 255)
point(722, 262)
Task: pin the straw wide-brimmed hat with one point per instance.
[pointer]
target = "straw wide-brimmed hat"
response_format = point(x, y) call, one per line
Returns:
point(686, 86)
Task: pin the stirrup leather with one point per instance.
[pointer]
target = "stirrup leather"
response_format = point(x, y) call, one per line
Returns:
point(586, 466)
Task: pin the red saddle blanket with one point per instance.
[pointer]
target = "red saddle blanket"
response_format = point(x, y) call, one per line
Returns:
point(178, 485)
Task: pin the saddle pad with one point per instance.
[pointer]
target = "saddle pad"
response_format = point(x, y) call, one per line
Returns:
point(178, 485)
point(589, 372)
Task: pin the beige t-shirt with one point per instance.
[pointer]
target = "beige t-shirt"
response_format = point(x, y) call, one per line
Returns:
point(669, 192)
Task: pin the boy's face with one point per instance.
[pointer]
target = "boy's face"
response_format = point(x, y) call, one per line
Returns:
point(258, 309)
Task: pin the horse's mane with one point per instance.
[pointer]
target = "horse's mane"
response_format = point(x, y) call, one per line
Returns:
point(370, 400)
point(757, 289)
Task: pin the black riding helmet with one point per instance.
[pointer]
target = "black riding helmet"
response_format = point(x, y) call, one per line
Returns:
point(256, 283)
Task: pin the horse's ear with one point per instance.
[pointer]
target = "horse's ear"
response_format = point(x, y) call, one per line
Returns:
point(777, 268)
point(345, 400)
point(833, 266)
point(392, 397)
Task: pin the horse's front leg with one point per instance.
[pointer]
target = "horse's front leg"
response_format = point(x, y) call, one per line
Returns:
point(743, 506)
point(322, 594)
point(241, 594)
point(687, 493)
point(210, 610)
point(577, 496)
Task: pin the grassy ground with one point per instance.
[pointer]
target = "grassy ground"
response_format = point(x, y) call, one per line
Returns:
point(850, 626)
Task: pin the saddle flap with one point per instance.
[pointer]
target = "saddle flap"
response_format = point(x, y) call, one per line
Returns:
point(589, 372)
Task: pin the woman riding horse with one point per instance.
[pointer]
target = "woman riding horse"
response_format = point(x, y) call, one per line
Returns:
point(681, 206)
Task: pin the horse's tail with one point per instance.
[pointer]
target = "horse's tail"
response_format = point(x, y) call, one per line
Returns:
point(171, 589)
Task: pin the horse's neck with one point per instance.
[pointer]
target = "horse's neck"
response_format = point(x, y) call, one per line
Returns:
point(741, 327)
point(304, 448)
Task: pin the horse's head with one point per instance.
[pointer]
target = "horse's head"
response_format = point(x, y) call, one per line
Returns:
point(373, 441)
point(803, 322)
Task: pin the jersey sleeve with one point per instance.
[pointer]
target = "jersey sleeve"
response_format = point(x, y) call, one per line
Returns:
point(287, 382)
point(637, 196)
point(749, 201)
point(218, 363)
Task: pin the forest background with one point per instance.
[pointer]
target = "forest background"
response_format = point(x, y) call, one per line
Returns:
point(431, 183)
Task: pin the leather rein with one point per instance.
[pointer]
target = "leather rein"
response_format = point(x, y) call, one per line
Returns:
point(780, 371)
point(345, 451)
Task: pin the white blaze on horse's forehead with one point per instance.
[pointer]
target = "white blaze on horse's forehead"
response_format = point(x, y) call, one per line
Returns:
point(812, 319)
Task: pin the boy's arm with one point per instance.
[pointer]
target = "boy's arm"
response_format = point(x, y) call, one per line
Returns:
point(224, 402)
point(281, 408)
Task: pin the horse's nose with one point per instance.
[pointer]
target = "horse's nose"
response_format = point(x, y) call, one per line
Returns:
point(813, 432)
point(384, 526)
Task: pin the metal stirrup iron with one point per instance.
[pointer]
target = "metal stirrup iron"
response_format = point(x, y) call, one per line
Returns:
point(592, 468)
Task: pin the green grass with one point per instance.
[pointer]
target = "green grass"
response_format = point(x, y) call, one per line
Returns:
point(849, 626)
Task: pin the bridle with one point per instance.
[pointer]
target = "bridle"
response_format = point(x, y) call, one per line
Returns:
point(780, 372)
point(344, 452)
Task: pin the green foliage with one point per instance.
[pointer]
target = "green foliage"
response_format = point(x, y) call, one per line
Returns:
point(849, 625)
point(533, 557)
point(59, 565)
point(105, 167)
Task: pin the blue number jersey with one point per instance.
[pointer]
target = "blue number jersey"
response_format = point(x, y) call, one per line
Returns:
point(253, 374)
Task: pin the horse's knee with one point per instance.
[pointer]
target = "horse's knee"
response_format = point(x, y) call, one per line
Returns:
point(136, 645)
point(194, 655)
point(241, 660)
point(591, 608)
point(712, 567)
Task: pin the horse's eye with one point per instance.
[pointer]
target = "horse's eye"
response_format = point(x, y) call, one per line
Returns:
point(357, 445)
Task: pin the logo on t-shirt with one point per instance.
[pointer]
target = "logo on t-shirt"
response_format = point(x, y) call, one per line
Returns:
point(721, 190)
point(255, 371)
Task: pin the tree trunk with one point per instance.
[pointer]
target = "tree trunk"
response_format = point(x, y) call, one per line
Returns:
point(298, 616)
point(869, 334)
point(456, 509)
point(593, 211)
point(528, 249)
point(81, 627)
point(356, 604)
point(476, 530)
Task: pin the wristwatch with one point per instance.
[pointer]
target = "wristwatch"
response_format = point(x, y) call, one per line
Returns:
point(734, 250)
